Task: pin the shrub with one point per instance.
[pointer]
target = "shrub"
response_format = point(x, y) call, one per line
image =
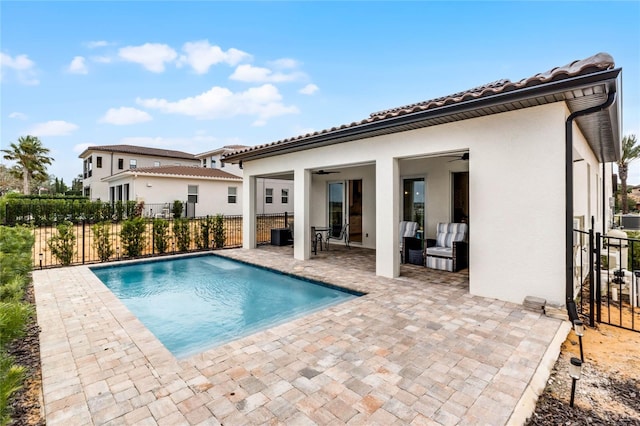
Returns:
point(182, 234)
point(203, 238)
point(62, 244)
point(15, 252)
point(13, 319)
point(177, 209)
point(132, 236)
point(138, 208)
point(11, 378)
point(13, 290)
point(218, 231)
point(102, 240)
point(160, 235)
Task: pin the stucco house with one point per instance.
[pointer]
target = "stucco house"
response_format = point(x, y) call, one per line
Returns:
point(272, 195)
point(100, 162)
point(520, 162)
point(159, 176)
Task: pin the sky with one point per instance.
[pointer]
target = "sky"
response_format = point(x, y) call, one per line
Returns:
point(194, 76)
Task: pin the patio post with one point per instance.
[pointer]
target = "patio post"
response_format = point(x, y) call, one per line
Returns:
point(387, 217)
point(249, 212)
point(301, 208)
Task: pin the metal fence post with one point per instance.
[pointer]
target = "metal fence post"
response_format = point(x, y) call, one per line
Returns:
point(83, 240)
point(286, 220)
point(592, 274)
point(597, 290)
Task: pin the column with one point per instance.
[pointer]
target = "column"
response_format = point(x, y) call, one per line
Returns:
point(249, 212)
point(301, 207)
point(387, 217)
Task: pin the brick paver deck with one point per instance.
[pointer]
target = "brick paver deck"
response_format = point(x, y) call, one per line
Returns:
point(415, 350)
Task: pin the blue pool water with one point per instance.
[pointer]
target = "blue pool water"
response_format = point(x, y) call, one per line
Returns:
point(195, 303)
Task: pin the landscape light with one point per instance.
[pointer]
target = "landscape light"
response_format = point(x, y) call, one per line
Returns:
point(578, 327)
point(40, 256)
point(118, 253)
point(575, 370)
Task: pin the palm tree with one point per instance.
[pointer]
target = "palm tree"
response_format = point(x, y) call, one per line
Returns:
point(31, 160)
point(630, 152)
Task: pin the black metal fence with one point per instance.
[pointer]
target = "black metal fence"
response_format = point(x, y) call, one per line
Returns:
point(87, 242)
point(607, 277)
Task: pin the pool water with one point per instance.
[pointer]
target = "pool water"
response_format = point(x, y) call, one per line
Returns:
point(195, 303)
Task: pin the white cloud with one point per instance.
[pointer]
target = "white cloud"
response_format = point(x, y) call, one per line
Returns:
point(309, 89)
point(284, 63)
point(18, 116)
point(125, 115)
point(200, 55)
point(102, 59)
point(152, 56)
point(52, 128)
point(94, 44)
point(78, 66)
point(251, 74)
point(21, 65)
point(219, 102)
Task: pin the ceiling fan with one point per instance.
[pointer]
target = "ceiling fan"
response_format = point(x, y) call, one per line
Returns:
point(463, 157)
point(323, 172)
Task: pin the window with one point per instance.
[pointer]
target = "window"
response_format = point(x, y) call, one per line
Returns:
point(120, 164)
point(87, 191)
point(133, 164)
point(232, 193)
point(126, 192)
point(213, 163)
point(204, 163)
point(192, 193)
point(268, 195)
point(90, 166)
point(99, 162)
point(285, 196)
point(156, 164)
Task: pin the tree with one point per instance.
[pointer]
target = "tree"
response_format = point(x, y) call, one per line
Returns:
point(630, 152)
point(31, 160)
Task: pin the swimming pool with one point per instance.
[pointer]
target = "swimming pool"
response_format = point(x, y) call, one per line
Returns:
point(194, 303)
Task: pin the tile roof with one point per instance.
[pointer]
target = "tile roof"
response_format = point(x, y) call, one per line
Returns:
point(595, 63)
point(140, 150)
point(192, 171)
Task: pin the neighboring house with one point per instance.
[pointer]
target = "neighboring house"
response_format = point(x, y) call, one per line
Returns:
point(517, 161)
point(205, 191)
point(112, 173)
point(272, 195)
point(100, 162)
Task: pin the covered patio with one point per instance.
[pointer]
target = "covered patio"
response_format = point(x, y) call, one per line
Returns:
point(418, 349)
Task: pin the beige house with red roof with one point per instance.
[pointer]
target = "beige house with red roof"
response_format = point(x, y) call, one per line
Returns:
point(519, 162)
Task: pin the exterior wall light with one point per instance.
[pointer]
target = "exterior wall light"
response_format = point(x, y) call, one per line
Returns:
point(575, 370)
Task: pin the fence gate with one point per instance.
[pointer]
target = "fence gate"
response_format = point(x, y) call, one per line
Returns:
point(607, 278)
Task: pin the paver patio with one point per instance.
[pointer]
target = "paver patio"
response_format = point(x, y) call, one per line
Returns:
point(415, 350)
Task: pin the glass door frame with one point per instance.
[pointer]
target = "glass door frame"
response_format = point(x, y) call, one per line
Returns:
point(421, 226)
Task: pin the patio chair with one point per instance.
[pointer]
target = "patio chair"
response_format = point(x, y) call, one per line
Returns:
point(338, 233)
point(449, 251)
point(407, 229)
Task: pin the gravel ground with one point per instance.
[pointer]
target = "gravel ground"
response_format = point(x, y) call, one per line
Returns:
point(607, 394)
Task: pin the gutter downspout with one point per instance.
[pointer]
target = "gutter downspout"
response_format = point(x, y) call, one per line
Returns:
point(571, 306)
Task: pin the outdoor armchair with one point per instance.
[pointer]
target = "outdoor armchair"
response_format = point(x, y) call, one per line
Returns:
point(449, 250)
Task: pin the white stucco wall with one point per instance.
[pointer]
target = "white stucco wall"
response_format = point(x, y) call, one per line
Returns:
point(516, 195)
point(276, 206)
point(100, 189)
point(212, 194)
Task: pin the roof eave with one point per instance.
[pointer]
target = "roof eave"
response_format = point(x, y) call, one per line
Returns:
point(363, 130)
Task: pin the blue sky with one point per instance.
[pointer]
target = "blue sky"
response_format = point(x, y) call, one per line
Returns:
point(194, 76)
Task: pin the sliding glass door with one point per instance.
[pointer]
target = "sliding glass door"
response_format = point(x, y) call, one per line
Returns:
point(413, 201)
point(345, 206)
